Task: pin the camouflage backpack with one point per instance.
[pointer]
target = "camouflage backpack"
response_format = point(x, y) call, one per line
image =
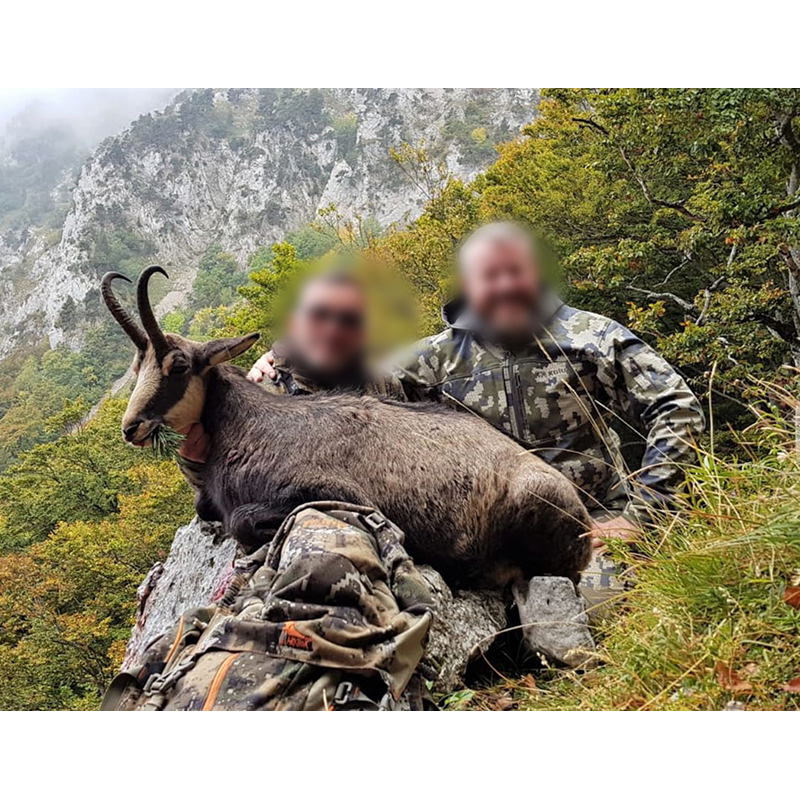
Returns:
point(331, 614)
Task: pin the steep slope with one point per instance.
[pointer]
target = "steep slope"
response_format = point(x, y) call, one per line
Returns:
point(237, 168)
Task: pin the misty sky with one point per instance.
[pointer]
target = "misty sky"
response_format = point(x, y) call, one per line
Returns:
point(93, 113)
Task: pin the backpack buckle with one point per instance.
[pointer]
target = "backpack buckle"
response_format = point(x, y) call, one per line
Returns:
point(375, 521)
point(150, 684)
point(345, 692)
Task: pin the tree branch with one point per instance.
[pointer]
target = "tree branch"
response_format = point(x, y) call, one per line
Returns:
point(707, 292)
point(780, 330)
point(788, 258)
point(591, 124)
point(684, 304)
point(778, 210)
point(683, 263)
point(679, 207)
point(654, 201)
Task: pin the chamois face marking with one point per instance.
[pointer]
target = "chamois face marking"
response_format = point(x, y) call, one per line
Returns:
point(172, 390)
point(170, 370)
point(169, 391)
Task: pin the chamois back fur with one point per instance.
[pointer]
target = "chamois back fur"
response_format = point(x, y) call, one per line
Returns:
point(470, 500)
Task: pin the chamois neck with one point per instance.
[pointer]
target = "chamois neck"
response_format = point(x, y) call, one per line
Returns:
point(230, 397)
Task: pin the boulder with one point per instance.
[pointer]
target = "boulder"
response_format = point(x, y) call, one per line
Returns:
point(464, 626)
point(554, 621)
point(197, 564)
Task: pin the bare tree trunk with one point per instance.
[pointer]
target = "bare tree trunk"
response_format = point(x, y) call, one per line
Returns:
point(791, 253)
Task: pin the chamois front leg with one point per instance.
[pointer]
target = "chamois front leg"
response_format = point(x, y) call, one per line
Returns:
point(206, 508)
point(253, 524)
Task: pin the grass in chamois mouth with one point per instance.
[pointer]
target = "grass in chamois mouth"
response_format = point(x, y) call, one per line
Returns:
point(166, 442)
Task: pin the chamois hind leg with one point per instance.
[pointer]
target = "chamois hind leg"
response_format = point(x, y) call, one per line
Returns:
point(552, 537)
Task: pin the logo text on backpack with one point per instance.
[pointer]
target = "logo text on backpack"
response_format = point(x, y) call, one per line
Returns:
point(291, 637)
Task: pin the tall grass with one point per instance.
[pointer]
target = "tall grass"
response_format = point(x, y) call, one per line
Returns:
point(706, 622)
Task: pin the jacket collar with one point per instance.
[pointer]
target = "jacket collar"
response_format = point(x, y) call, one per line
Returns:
point(456, 315)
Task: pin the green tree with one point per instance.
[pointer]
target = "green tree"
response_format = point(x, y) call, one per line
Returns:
point(218, 278)
point(676, 208)
point(76, 477)
point(68, 602)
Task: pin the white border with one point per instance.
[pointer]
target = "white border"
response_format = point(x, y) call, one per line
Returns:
point(88, 43)
point(381, 756)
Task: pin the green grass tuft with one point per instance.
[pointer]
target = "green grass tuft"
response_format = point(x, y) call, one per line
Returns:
point(706, 622)
point(166, 442)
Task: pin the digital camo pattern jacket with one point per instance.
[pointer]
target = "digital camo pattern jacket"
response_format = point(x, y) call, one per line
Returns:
point(558, 395)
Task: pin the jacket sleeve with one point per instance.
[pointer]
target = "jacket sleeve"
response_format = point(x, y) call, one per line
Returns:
point(645, 389)
point(414, 371)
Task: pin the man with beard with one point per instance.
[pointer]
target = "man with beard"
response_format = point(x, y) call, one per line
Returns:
point(557, 379)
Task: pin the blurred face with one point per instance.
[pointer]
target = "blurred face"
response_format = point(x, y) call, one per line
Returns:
point(327, 329)
point(501, 284)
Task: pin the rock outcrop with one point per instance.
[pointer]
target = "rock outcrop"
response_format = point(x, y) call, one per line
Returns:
point(240, 169)
point(464, 627)
point(465, 622)
point(198, 560)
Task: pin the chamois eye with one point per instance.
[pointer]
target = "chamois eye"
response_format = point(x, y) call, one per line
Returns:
point(179, 367)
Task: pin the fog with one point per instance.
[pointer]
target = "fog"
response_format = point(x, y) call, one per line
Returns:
point(92, 114)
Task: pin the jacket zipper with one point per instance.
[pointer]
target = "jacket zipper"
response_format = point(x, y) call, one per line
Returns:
point(513, 397)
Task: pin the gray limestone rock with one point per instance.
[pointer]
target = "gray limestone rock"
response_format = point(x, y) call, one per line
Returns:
point(465, 622)
point(198, 560)
point(554, 619)
point(464, 626)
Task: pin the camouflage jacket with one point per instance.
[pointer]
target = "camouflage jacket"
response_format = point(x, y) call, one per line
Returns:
point(291, 380)
point(559, 394)
point(331, 614)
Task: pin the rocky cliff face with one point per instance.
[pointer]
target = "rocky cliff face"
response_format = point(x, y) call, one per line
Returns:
point(238, 168)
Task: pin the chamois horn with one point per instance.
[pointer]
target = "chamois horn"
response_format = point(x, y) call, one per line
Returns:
point(146, 315)
point(136, 334)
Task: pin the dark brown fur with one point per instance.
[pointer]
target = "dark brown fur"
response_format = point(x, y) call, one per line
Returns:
point(472, 502)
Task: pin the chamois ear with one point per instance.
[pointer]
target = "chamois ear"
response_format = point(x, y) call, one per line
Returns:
point(222, 350)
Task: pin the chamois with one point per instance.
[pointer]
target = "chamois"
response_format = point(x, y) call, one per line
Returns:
point(472, 502)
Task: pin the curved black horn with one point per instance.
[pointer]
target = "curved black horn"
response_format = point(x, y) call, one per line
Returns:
point(148, 318)
point(136, 334)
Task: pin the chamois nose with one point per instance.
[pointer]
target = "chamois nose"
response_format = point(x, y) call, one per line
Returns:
point(129, 431)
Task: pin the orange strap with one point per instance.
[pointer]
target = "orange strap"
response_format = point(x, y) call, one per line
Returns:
point(175, 643)
point(213, 690)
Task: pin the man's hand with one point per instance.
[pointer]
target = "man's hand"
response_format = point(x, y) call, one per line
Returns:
point(195, 445)
point(617, 528)
point(263, 368)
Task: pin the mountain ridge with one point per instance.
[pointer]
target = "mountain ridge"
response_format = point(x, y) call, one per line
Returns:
point(238, 169)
